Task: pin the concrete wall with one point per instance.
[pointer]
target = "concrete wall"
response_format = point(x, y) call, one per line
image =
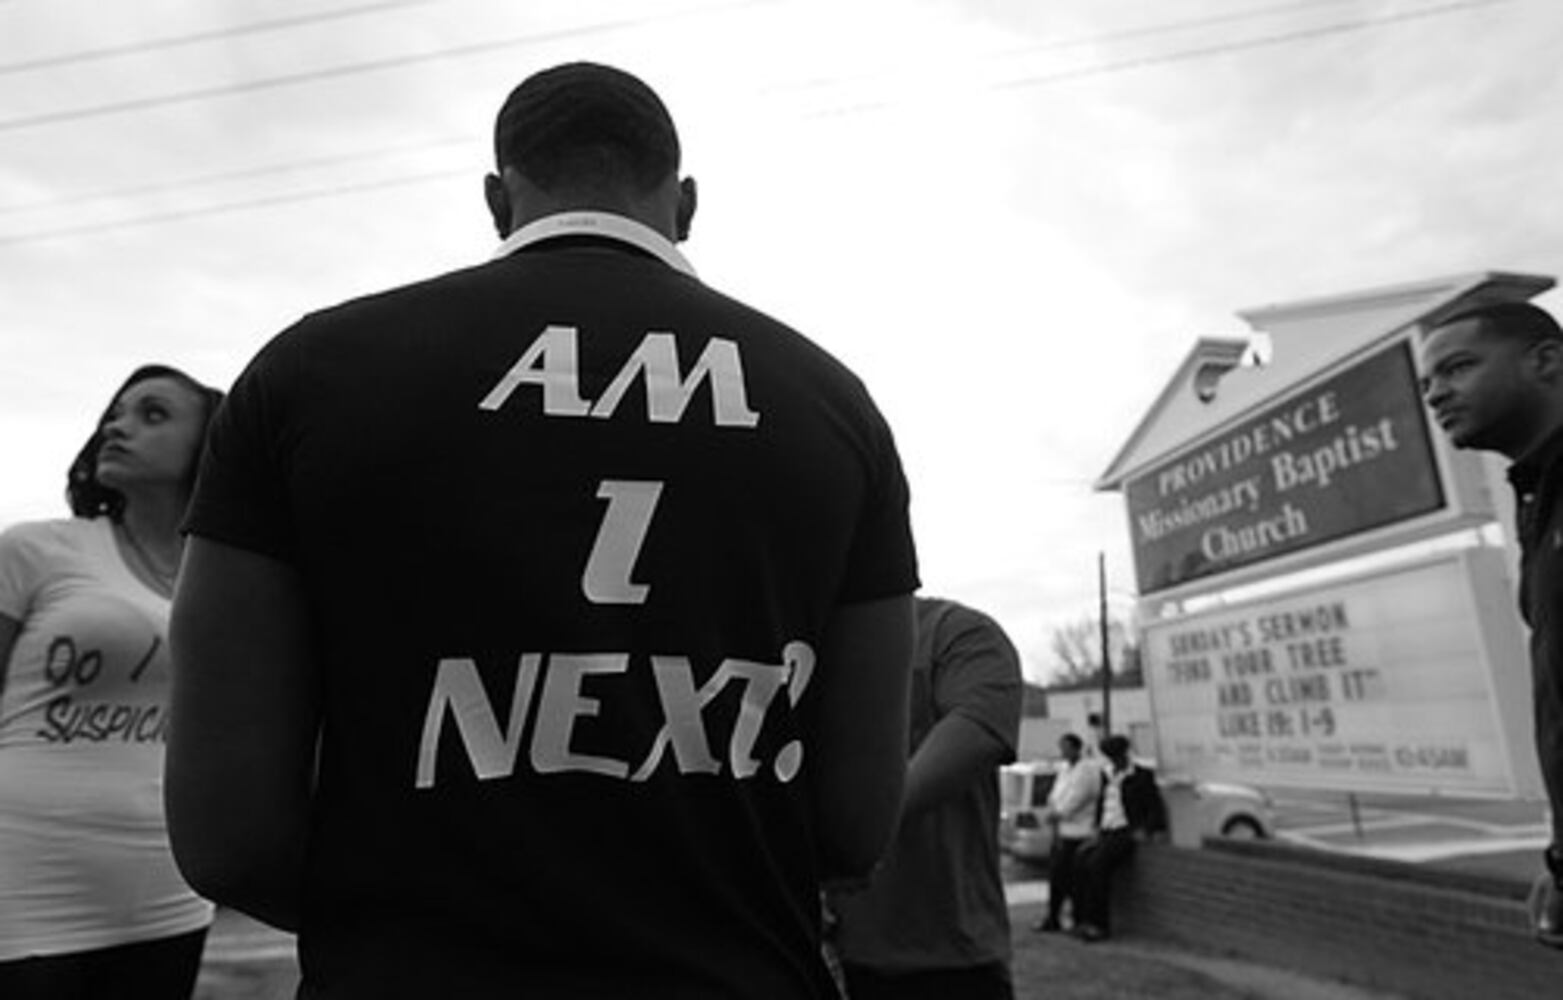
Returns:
point(1383, 925)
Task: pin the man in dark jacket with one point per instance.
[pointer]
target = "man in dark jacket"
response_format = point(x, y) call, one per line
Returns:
point(1493, 377)
point(1131, 810)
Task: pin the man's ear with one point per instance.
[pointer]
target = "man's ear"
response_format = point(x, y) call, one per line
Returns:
point(498, 200)
point(1547, 356)
point(687, 199)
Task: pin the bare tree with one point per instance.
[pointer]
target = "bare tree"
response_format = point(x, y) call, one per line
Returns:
point(1077, 651)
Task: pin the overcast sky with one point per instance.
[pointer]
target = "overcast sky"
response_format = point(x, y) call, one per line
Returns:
point(1011, 218)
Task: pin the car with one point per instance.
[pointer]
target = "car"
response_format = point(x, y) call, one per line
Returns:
point(1223, 809)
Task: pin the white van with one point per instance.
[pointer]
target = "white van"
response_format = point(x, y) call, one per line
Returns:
point(1221, 809)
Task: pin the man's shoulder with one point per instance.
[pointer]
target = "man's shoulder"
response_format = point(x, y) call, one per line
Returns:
point(934, 612)
point(482, 287)
point(1142, 776)
point(410, 323)
point(743, 320)
point(399, 299)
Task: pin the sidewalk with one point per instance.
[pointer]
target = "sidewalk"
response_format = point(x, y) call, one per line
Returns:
point(247, 961)
point(1059, 967)
point(1062, 967)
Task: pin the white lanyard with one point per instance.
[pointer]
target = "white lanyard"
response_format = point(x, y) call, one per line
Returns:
point(603, 224)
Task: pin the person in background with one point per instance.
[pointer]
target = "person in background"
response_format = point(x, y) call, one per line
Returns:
point(560, 609)
point(1131, 810)
point(91, 904)
point(1095, 734)
point(932, 921)
point(1071, 812)
point(1492, 376)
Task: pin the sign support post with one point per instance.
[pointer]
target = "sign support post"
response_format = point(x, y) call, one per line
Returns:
point(1107, 659)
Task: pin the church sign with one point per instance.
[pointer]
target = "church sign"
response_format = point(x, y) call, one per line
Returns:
point(1345, 455)
point(1379, 683)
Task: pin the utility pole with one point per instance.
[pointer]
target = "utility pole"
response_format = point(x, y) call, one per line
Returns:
point(1107, 662)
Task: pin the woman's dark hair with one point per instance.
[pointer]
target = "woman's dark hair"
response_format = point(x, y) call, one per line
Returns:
point(88, 497)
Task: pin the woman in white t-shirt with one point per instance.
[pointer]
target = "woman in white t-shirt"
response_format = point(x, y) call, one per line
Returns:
point(91, 904)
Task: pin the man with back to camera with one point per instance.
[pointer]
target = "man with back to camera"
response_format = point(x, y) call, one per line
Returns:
point(1493, 377)
point(1071, 812)
point(933, 921)
point(592, 585)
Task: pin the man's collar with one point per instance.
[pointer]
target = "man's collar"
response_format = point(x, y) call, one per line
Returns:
point(604, 225)
point(1529, 467)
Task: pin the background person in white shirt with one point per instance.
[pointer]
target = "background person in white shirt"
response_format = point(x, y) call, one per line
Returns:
point(1071, 811)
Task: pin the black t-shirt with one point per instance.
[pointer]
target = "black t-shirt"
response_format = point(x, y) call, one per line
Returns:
point(571, 525)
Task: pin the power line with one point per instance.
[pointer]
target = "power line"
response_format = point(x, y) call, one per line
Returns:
point(1265, 41)
point(223, 177)
point(1188, 55)
point(268, 201)
point(214, 34)
point(1100, 70)
point(226, 176)
point(1247, 14)
point(1104, 38)
point(337, 72)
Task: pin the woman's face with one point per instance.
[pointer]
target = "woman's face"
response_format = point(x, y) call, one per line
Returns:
point(151, 434)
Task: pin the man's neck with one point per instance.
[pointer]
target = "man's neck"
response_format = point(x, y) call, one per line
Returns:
point(1545, 431)
point(636, 211)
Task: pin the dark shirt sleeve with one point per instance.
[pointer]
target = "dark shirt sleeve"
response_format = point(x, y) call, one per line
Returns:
point(976, 674)
point(241, 493)
point(883, 558)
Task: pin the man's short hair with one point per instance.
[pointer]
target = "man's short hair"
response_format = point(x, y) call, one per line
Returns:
point(583, 124)
point(1074, 742)
point(1115, 746)
point(1518, 321)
